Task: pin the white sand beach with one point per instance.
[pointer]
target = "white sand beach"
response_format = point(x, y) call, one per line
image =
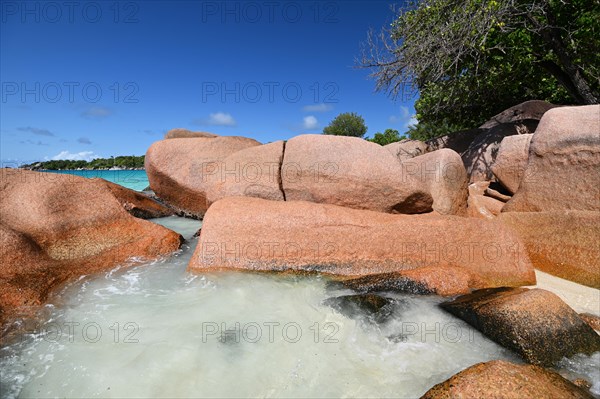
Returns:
point(581, 298)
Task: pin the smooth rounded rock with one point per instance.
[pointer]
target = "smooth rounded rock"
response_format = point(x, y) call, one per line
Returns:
point(563, 168)
point(350, 172)
point(179, 171)
point(242, 233)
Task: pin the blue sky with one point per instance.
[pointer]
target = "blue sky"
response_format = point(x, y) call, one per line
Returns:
point(104, 78)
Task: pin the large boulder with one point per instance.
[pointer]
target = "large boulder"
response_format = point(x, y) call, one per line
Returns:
point(350, 172)
point(460, 141)
point(179, 171)
point(57, 227)
point(536, 324)
point(562, 243)
point(482, 152)
point(406, 149)
point(533, 109)
point(441, 174)
point(563, 170)
point(251, 172)
point(243, 233)
point(511, 161)
point(504, 380)
point(456, 141)
point(180, 133)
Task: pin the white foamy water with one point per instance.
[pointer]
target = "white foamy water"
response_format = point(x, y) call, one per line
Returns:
point(155, 330)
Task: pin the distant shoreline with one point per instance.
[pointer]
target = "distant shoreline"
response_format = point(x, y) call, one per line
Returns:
point(123, 162)
point(90, 169)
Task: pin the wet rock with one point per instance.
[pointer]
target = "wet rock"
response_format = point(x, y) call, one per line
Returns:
point(424, 281)
point(57, 227)
point(504, 380)
point(396, 282)
point(592, 320)
point(375, 307)
point(536, 324)
point(243, 233)
point(230, 336)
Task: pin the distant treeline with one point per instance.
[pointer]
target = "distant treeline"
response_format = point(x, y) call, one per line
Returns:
point(124, 162)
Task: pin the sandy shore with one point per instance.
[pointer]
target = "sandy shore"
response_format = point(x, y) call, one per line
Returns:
point(580, 297)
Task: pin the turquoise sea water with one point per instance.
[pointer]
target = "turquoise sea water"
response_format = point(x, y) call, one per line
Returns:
point(133, 179)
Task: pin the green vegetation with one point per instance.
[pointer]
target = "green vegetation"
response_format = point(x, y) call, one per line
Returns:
point(387, 137)
point(471, 59)
point(124, 162)
point(347, 124)
point(424, 130)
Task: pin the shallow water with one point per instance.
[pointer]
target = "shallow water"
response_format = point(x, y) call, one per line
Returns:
point(133, 179)
point(155, 330)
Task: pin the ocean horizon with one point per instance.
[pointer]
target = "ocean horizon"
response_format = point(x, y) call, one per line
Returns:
point(133, 179)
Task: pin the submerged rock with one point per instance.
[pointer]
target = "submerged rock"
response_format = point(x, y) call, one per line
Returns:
point(563, 168)
point(55, 227)
point(245, 233)
point(505, 380)
point(536, 324)
point(374, 307)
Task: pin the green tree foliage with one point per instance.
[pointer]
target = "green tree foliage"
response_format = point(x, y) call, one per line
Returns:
point(424, 131)
point(471, 59)
point(387, 137)
point(123, 162)
point(347, 124)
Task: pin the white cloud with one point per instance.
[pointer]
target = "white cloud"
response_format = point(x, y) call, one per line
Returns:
point(96, 112)
point(221, 119)
point(317, 108)
point(310, 123)
point(405, 119)
point(77, 156)
point(412, 121)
